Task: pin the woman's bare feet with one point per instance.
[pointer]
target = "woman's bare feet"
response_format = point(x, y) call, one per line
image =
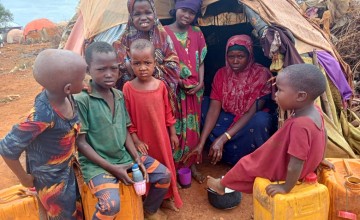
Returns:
point(196, 174)
point(159, 215)
point(169, 204)
point(215, 185)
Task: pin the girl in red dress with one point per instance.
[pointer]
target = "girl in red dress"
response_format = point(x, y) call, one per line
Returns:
point(147, 101)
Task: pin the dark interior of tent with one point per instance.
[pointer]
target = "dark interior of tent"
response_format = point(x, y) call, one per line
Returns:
point(217, 36)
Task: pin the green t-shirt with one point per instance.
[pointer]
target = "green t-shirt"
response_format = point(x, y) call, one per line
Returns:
point(105, 133)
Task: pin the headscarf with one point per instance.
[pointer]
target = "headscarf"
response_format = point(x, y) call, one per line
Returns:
point(240, 90)
point(194, 5)
point(167, 61)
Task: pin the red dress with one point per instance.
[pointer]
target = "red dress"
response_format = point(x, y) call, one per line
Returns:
point(150, 113)
point(299, 137)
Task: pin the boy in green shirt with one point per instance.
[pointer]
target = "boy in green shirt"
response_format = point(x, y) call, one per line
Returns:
point(106, 147)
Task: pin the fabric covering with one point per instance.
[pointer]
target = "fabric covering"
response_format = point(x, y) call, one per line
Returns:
point(299, 137)
point(151, 114)
point(38, 24)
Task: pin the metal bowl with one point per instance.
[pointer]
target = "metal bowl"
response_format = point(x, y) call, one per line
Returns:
point(229, 200)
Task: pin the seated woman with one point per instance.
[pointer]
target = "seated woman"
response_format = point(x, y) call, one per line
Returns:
point(235, 122)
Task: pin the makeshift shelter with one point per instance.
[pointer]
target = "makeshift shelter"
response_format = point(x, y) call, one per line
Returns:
point(301, 40)
point(14, 36)
point(38, 25)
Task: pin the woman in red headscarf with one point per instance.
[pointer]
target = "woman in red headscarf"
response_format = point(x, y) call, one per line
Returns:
point(235, 122)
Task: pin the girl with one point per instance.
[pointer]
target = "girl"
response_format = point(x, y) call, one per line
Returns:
point(147, 102)
point(191, 48)
point(143, 24)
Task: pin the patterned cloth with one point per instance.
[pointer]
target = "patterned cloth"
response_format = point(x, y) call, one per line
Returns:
point(167, 68)
point(237, 92)
point(245, 141)
point(191, 49)
point(49, 141)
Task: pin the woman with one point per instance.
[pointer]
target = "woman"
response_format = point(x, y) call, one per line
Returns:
point(234, 122)
point(191, 48)
point(143, 23)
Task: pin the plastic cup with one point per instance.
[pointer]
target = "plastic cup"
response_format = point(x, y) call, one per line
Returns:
point(140, 187)
point(184, 175)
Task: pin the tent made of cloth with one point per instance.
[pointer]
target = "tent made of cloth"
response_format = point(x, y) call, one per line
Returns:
point(38, 24)
point(14, 36)
point(100, 19)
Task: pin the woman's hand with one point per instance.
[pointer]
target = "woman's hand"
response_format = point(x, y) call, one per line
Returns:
point(197, 151)
point(142, 147)
point(216, 149)
point(195, 89)
point(274, 189)
point(327, 165)
point(174, 141)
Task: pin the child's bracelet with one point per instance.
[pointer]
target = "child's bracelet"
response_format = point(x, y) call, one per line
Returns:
point(227, 135)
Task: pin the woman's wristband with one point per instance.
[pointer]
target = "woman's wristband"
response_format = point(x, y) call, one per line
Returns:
point(228, 136)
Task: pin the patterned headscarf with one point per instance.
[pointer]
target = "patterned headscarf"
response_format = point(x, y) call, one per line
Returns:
point(240, 90)
point(167, 61)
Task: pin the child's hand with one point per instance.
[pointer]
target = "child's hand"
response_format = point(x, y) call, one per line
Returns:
point(274, 189)
point(120, 172)
point(195, 152)
point(327, 164)
point(143, 170)
point(27, 181)
point(195, 89)
point(174, 141)
point(142, 147)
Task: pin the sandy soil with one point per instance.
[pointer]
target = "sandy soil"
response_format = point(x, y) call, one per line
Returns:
point(17, 92)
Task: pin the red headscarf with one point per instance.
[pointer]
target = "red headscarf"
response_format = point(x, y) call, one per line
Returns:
point(239, 91)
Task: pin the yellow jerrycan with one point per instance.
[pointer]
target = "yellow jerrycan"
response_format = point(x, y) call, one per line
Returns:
point(308, 200)
point(344, 188)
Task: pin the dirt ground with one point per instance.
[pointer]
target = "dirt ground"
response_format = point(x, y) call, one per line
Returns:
point(17, 92)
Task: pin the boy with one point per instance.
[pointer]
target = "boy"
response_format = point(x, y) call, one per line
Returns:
point(297, 148)
point(106, 146)
point(48, 135)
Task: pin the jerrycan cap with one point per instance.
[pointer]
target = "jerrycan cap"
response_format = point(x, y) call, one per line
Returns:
point(311, 178)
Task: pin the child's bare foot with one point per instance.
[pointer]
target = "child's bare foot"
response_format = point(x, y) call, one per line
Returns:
point(197, 175)
point(169, 204)
point(215, 185)
point(159, 215)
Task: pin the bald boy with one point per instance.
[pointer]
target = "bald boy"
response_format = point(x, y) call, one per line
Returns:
point(48, 134)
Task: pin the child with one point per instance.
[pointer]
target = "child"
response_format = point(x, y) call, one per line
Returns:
point(294, 150)
point(191, 48)
point(144, 24)
point(147, 101)
point(48, 135)
point(105, 146)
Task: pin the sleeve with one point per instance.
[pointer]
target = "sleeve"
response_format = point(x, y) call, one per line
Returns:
point(202, 46)
point(299, 140)
point(169, 115)
point(216, 86)
point(83, 108)
point(131, 126)
point(21, 135)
